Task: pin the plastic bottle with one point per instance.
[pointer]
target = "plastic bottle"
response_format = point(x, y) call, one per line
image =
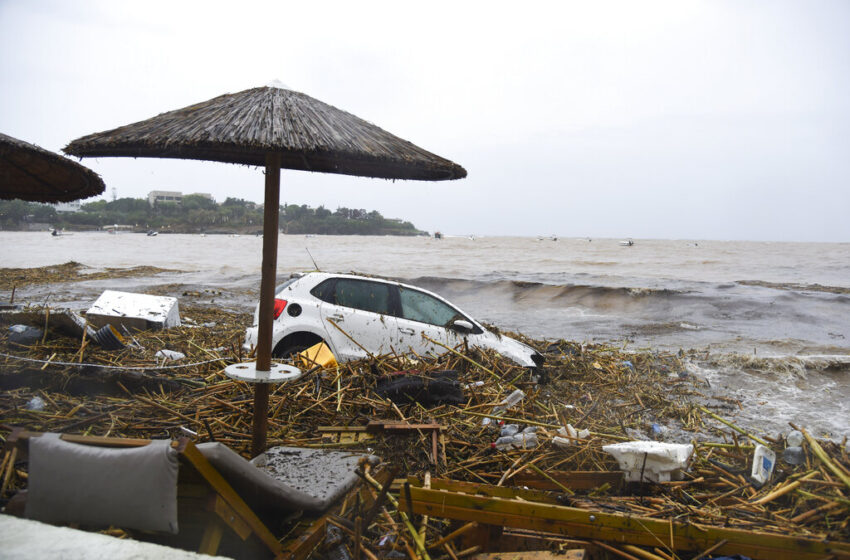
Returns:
point(504, 442)
point(509, 429)
point(794, 455)
point(794, 439)
point(563, 442)
point(513, 398)
point(525, 441)
point(505, 405)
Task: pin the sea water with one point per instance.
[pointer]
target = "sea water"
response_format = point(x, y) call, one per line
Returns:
point(771, 321)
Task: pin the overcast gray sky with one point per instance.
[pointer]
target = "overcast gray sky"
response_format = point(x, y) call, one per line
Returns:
point(663, 119)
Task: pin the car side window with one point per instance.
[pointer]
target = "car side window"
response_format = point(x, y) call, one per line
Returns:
point(325, 290)
point(419, 306)
point(362, 294)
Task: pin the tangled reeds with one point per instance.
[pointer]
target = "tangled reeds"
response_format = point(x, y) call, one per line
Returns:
point(65, 385)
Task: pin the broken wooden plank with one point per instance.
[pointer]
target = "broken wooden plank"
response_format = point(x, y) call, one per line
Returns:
point(611, 527)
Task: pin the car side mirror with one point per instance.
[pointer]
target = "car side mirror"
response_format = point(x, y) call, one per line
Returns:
point(462, 325)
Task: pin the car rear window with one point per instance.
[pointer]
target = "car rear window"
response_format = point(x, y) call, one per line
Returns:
point(286, 284)
point(362, 294)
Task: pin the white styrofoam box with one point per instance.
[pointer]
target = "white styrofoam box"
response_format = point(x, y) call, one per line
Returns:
point(655, 460)
point(134, 311)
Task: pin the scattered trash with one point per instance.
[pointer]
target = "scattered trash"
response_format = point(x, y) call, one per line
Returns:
point(509, 429)
point(25, 335)
point(568, 436)
point(134, 311)
point(109, 338)
point(763, 461)
point(36, 404)
point(525, 439)
point(187, 432)
point(170, 355)
point(507, 404)
point(651, 460)
point(318, 355)
point(794, 455)
point(794, 439)
point(657, 430)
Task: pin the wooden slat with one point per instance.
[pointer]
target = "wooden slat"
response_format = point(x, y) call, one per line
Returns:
point(239, 507)
point(620, 528)
point(574, 480)
point(532, 555)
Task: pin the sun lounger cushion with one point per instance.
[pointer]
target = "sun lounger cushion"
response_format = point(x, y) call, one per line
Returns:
point(134, 488)
point(292, 479)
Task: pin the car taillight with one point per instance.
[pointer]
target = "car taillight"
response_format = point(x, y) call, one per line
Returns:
point(279, 306)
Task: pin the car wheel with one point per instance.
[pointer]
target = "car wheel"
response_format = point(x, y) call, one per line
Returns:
point(293, 344)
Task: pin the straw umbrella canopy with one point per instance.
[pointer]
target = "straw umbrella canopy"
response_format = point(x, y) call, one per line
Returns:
point(28, 172)
point(277, 128)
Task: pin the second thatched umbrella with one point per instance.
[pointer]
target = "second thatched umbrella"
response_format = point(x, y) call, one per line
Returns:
point(277, 128)
point(28, 172)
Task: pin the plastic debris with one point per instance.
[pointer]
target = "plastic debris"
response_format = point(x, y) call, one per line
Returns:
point(134, 311)
point(568, 435)
point(651, 460)
point(170, 355)
point(507, 404)
point(25, 335)
point(763, 461)
point(657, 430)
point(794, 455)
point(109, 338)
point(794, 439)
point(509, 429)
point(36, 404)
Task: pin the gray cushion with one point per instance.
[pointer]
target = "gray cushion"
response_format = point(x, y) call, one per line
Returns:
point(133, 488)
point(287, 479)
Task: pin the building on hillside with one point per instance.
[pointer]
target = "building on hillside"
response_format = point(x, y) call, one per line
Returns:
point(73, 206)
point(172, 197)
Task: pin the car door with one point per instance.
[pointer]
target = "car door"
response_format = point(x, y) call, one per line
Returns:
point(420, 313)
point(355, 314)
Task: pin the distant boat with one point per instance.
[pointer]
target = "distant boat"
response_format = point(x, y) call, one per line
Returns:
point(153, 233)
point(627, 243)
point(438, 235)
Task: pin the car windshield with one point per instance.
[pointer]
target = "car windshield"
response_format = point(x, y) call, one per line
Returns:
point(419, 306)
point(362, 294)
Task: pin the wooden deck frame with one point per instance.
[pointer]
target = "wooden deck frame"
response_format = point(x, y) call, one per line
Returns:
point(452, 500)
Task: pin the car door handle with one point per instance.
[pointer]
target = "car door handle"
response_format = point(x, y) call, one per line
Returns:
point(337, 318)
point(404, 330)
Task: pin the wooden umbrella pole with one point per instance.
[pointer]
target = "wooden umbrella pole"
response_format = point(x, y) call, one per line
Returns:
point(267, 286)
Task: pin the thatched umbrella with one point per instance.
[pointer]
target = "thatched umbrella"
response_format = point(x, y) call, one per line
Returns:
point(28, 172)
point(278, 128)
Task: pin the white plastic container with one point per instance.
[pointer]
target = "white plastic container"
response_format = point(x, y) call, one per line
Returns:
point(651, 460)
point(763, 461)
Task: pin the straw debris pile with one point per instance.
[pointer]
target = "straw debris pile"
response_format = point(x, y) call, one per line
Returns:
point(73, 387)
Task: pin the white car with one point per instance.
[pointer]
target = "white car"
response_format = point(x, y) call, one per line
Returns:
point(357, 316)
